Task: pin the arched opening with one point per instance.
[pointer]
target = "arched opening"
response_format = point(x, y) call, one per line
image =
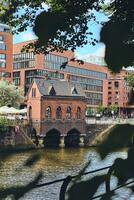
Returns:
point(68, 113)
point(48, 113)
point(59, 113)
point(52, 138)
point(73, 138)
point(78, 113)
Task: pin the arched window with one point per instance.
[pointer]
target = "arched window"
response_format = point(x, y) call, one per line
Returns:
point(68, 113)
point(78, 114)
point(59, 113)
point(48, 113)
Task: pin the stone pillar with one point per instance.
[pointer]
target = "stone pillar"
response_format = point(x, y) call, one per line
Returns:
point(62, 144)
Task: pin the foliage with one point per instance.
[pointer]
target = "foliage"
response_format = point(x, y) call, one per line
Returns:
point(5, 122)
point(100, 109)
point(64, 25)
point(10, 95)
point(130, 79)
point(90, 111)
point(120, 137)
point(113, 108)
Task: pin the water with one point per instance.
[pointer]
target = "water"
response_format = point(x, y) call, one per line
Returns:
point(54, 164)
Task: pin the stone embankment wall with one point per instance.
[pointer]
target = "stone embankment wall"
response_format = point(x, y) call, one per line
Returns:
point(93, 131)
point(11, 139)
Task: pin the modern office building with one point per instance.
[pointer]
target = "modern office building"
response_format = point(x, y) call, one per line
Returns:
point(92, 77)
point(6, 50)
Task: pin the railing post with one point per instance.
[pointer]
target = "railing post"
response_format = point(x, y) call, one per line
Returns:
point(108, 178)
point(64, 187)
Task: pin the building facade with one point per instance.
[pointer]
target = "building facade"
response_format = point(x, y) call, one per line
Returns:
point(6, 51)
point(92, 77)
point(56, 107)
point(100, 85)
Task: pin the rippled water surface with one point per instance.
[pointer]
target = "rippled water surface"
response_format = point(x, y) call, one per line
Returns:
point(54, 164)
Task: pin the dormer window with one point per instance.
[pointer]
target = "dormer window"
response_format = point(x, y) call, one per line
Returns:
point(52, 91)
point(74, 91)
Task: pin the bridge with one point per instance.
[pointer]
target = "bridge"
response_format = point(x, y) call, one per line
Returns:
point(69, 133)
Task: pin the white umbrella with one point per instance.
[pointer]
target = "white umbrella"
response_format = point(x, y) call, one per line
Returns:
point(4, 110)
point(22, 111)
point(13, 110)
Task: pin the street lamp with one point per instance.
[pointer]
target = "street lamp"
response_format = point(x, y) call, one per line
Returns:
point(118, 97)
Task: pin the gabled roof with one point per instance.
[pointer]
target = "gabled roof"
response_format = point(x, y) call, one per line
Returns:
point(61, 88)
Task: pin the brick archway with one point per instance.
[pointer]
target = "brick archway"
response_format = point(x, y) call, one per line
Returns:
point(72, 138)
point(52, 138)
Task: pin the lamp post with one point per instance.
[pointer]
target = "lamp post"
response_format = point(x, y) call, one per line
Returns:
point(118, 97)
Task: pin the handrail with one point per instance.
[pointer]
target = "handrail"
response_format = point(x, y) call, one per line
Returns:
point(63, 179)
point(69, 178)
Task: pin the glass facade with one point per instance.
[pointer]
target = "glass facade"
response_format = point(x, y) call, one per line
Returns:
point(88, 83)
point(94, 98)
point(2, 60)
point(54, 62)
point(49, 58)
point(31, 74)
point(23, 60)
point(16, 78)
point(23, 56)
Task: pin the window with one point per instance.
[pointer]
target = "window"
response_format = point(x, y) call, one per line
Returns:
point(23, 56)
point(68, 113)
point(116, 84)
point(16, 78)
point(59, 113)
point(5, 74)
point(2, 46)
point(33, 92)
point(78, 114)
point(1, 38)
point(52, 91)
point(54, 62)
point(74, 91)
point(48, 113)
point(2, 56)
point(2, 64)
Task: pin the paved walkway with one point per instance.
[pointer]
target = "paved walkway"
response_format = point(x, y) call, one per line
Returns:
point(109, 121)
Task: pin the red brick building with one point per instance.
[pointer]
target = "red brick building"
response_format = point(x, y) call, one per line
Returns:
point(56, 106)
point(92, 78)
point(119, 92)
point(6, 51)
point(100, 85)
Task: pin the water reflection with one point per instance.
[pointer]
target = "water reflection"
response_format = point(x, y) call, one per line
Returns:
point(54, 163)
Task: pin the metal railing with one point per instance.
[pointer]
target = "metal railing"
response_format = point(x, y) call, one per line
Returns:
point(66, 181)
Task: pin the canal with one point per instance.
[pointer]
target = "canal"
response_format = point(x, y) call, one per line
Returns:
point(55, 164)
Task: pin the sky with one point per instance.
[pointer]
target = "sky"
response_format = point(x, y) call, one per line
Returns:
point(87, 50)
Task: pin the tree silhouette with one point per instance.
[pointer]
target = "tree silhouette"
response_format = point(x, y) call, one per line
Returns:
point(64, 25)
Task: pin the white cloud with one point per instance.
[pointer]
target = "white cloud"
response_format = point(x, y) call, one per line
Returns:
point(27, 36)
point(24, 36)
point(98, 52)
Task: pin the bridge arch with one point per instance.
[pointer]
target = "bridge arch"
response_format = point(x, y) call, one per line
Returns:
point(52, 138)
point(72, 138)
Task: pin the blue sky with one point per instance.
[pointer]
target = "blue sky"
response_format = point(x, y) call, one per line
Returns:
point(80, 52)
